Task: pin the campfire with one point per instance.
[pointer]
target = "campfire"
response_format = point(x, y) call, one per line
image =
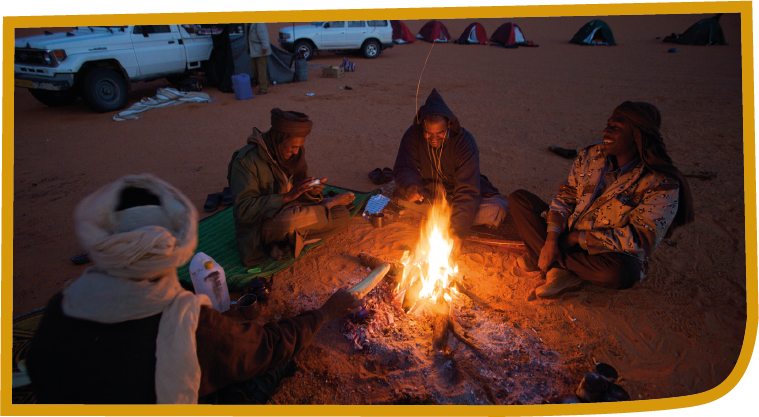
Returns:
point(428, 273)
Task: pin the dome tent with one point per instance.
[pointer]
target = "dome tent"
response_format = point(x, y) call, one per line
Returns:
point(401, 32)
point(595, 32)
point(510, 35)
point(474, 33)
point(434, 31)
point(704, 32)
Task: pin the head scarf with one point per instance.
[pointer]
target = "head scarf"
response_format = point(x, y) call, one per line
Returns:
point(646, 122)
point(286, 125)
point(136, 251)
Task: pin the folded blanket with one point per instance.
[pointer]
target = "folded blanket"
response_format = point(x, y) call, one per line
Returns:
point(164, 97)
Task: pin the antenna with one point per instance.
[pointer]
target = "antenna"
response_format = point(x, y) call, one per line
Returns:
point(416, 99)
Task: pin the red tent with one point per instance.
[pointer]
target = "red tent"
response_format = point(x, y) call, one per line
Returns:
point(510, 34)
point(434, 31)
point(473, 33)
point(401, 32)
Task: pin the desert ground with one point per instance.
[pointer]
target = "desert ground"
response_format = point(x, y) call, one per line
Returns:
point(676, 333)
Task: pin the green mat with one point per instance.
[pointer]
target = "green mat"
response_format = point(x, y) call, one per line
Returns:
point(216, 238)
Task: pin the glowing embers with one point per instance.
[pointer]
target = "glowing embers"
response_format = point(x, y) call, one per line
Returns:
point(429, 272)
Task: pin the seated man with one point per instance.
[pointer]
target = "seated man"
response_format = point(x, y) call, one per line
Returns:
point(275, 200)
point(623, 195)
point(126, 332)
point(437, 153)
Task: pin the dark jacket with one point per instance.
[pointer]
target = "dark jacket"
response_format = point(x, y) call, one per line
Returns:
point(460, 164)
point(74, 361)
point(258, 194)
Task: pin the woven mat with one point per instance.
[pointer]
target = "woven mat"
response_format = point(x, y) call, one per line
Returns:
point(23, 329)
point(216, 238)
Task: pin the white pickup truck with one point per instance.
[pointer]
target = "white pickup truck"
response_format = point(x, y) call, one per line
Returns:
point(99, 63)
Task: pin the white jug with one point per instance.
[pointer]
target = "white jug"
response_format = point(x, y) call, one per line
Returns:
point(208, 278)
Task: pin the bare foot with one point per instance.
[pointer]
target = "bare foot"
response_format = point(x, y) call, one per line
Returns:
point(276, 252)
point(338, 200)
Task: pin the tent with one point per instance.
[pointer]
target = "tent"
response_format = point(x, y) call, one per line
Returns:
point(233, 59)
point(510, 36)
point(434, 31)
point(595, 32)
point(473, 33)
point(704, 32)
point(401, 32)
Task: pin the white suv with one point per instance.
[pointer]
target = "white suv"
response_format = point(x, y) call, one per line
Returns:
point(368, 36)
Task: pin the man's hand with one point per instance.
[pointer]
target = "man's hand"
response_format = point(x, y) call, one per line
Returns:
point(298, 188)
point(550, 252)
point(572, 238)
point(414, 193)
point(317, 189)
point(341, 303)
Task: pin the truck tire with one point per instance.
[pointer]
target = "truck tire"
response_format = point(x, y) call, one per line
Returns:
point(305, 48)
point(214, 70)
point(371, 49)
point(104, 90)
point(54, 98)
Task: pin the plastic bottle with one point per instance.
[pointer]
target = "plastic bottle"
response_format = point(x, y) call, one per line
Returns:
point(208, 278)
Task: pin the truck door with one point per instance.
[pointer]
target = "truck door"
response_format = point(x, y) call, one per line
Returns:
point(333, 35)
point(356, 33)
point(158, 49)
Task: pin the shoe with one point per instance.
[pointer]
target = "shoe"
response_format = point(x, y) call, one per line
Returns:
point(81, 259)
point(387, 175)
point(563, 152)
point(592, 388)
point(559, 282)
point(376, 176)
point(212, 202)
point(226, 197)
point(526, 264)
point(261, 92)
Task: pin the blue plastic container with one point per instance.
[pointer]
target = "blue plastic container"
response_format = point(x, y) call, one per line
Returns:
point(241, 85)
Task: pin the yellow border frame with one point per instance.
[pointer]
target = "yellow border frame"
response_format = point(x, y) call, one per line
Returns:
point(742, 7)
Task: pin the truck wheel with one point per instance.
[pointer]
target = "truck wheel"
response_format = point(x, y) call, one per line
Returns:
point(304, 48)
point(54, 98)
point(371, 49)
point(105, 90)
point(214, 70)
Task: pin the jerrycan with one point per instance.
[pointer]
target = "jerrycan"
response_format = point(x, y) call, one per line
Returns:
point(208, 278)
point(241, 85)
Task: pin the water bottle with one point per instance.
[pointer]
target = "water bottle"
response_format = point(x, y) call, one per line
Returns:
point(208, 278)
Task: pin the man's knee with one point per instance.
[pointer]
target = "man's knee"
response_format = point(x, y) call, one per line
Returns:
point(520, 198)
point(340, 217)
point(620, 275)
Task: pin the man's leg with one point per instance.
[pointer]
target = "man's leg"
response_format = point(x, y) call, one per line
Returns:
point(312, 222)
point(525, 208)
point(611, 269)
point(492, 211)
point(261, 74)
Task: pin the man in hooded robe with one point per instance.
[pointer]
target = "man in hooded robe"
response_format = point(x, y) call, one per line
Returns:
point(439, 159)
point(275, 200)
point(622, 196)
point(126, 332)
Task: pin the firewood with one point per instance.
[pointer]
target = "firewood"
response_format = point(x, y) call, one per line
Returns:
point(412, 294)
point(463, 336)
point(371, 280)
point(396, 268)
point(440, 328)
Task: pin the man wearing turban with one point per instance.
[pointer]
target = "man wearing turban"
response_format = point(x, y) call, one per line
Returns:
point(275, 200)
point(622, 196)
point(126, 332)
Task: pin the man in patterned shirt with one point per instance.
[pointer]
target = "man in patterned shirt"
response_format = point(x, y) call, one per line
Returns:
point(622, 196)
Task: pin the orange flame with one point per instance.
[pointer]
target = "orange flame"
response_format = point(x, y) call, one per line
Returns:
point(431, 262)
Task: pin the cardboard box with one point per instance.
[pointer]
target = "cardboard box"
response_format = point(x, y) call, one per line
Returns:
point(333, 72)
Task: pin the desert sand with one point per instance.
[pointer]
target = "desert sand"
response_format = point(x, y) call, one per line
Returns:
point(678, 332)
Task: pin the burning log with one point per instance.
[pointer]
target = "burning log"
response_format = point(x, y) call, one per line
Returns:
point(463, 336)
point(440, 327)
point(396, 268)
point(412, 294)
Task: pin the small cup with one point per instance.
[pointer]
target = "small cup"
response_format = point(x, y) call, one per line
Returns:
point(378, 220)
point(248, 305)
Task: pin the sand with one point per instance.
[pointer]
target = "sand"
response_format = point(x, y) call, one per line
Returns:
point(678, 332)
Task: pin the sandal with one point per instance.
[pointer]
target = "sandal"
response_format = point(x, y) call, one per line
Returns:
point(226, 196)
point(387, 175)
point(212, 202)
point(376, 176)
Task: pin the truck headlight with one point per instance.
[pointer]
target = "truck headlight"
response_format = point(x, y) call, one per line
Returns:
point(285, 36)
